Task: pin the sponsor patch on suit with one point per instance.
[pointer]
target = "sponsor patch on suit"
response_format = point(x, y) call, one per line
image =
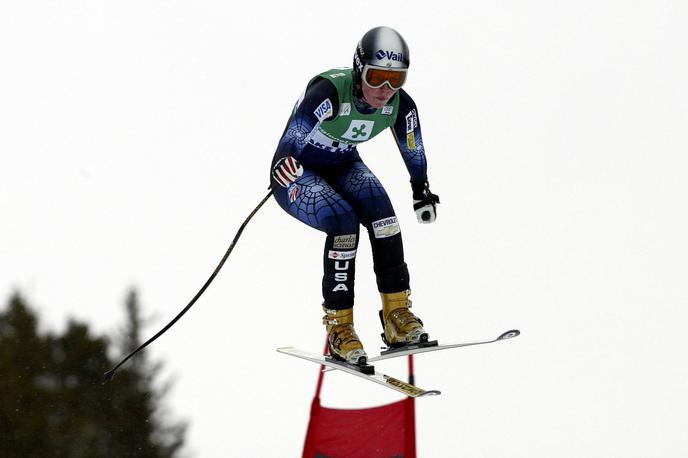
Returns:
point(324, 110)
point(411, 141)
point(386, 227)
point(411, 121)
point(359, 130)
point(344, 241)
point(341, 255)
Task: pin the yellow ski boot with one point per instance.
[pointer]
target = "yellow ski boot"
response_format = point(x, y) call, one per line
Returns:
point(400, 325)
point(341, 337)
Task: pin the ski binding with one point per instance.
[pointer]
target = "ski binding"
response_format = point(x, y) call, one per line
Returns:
point(365, 371)
point(413, 346)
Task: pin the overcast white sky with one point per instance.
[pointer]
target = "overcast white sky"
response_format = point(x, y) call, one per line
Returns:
point(135, 137)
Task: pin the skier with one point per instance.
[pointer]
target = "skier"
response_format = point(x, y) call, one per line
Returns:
point(324, 183)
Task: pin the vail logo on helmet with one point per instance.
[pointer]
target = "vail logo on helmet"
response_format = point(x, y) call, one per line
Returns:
point(391, 55)
point(357, 57)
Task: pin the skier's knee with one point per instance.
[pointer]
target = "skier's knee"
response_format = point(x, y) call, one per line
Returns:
point(338, 223)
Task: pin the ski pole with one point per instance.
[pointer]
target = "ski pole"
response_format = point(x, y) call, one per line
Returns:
point(110, 374)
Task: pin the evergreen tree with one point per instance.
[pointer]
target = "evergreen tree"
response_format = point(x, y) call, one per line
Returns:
point(53, 403)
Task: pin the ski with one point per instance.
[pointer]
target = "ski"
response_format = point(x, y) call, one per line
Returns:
point(368, 373)
point(433, 346)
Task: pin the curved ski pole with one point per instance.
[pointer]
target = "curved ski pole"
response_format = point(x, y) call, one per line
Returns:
point(110, 374)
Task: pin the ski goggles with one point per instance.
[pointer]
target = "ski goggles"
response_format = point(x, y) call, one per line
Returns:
point(375, 77)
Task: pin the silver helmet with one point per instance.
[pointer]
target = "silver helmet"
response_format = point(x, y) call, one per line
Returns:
point(381, 47)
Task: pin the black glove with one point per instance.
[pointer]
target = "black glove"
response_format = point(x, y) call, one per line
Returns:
point(424, 202)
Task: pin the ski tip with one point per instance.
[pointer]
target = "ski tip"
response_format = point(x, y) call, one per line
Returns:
point(509, 334)
point(430, 393)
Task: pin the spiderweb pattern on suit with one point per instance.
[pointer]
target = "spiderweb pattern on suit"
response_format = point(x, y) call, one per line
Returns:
point(295, 136)
point(415, 157)
point(320, 206)
point(365, 192)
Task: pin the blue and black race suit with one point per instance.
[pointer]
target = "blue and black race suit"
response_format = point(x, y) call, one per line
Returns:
point(337, 193)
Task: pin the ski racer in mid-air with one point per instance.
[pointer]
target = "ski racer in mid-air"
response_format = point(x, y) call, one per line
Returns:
point(324, 183)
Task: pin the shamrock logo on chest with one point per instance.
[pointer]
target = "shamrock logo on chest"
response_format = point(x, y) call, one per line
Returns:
point(359, 130)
